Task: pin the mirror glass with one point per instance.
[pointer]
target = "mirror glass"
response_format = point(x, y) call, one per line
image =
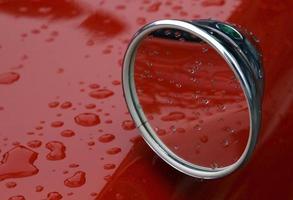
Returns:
point(191, 98)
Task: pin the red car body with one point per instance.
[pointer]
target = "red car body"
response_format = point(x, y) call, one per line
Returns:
point(65, 132)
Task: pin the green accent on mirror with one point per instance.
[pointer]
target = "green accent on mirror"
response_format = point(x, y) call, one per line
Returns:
point(232, 32)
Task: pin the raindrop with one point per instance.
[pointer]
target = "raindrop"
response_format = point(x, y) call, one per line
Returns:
point(73, 165)
point(66, 105)
point(106, 138)
point(94, 86)
point(67, 133)
point(10, 184)
point(54, 196)
point(128, 125)
point(17, 163)
point(34, 143)
point(77, 180)
point(9, 78)
point(109, 166)
point(204, 139)
point(226, 143)
point(57, 150)
point(91, 143)
point(173, 116)
point(113, 150)
point(141, 21)
point(101, 93)
point(57, 124)
point(18, 197)
point(39, 188)
point(90, 106)
point(87, 119)
point(116, 82)
point(154, 7)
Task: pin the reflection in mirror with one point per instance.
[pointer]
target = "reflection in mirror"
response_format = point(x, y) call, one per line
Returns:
point(191, 98)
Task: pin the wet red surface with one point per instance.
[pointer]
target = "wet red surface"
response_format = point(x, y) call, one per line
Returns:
point(51, 52)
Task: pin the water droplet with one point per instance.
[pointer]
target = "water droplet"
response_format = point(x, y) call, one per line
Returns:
point(178, 85)
point(173, 116)
point(213, 2)
point(39, 128)
point(34, 143)
point(54, 33)
point(57, 124)
point(106, 138)
point(221, 108)
point(116, 82)
point(101, 93)
point(45, 10)
point(90, 106)
point(35, 31)
point(39, 188)
point(108, 178)
point(17, 163)
point(109, 166)
point(204, 139)
point(10, 184)
point(66, 105)
point(94, 86)
point(141, 21)
point(90, 43)
point(214, 165)
point(176, 147)
point(94, 194)
point(67, 133)
point(54, 196)
point(18, 197)
point(91, 143)
point(73, 165)
point(113, 150)
point(226, 143)
point(154, 7)
point(57, 150)
point(77, 180)
point(53, 104)
point(87, 119)
point(9, 78)
point(128, 125)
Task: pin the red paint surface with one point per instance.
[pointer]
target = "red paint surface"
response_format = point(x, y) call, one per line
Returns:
point(60, 55)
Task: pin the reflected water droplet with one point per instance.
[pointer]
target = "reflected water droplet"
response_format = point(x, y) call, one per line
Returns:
point(173, 116)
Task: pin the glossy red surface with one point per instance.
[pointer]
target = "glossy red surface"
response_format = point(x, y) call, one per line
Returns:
point(64, 128)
